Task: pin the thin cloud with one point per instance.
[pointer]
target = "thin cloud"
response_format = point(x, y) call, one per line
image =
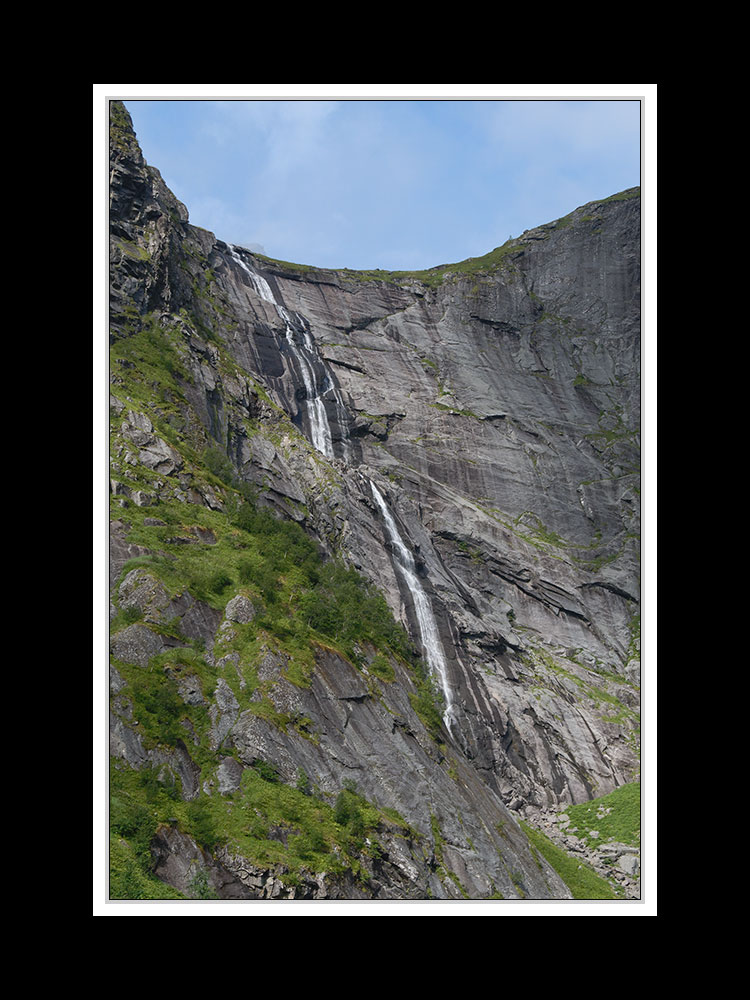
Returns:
point(582, 138)
point(348, 183)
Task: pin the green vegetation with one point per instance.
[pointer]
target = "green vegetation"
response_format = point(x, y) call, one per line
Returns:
point(591, 685)
point(292, 830)
point(382, 668)
point(613, 817)
point(582, 881)
point(434, 276)
point(301, 603)
point(132, 250)
point(634, 192)
point(300, 599)
point(133, 823)
point(438, 843)
point(347, 610)
point(616, 816)
point(120, 131)
point(529, 526)
point(130, 876)
point(427, 701)
point(454, 411)
point(148, 373)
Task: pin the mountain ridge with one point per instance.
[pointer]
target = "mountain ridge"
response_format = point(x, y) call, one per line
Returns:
point(482, 263)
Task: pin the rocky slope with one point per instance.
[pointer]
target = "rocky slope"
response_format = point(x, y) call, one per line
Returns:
point(466, 440)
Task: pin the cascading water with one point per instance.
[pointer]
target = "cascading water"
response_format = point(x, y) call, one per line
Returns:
point(316, 393)
point(309, 362)
point(405, 565)
point(307, 357)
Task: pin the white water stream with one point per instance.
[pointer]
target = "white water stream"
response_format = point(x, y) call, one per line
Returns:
point(320, 431)
point(432, 645)
point(306, 354)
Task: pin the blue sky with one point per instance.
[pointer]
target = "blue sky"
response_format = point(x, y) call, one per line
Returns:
point(395, 183)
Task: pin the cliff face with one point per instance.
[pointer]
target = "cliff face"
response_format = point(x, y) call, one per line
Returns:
point(467, 440)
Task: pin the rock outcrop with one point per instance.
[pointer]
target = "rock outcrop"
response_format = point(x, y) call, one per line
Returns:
point(467, 439)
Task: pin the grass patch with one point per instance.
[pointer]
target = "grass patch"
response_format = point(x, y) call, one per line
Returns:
point(300, 596)
point(276, 826)
point(148, 358)
point(434, 276)
point(582, 881)
point(301, 602)
point(130, 878)
point(634, 192)
point(428, 702)
point(616, 816)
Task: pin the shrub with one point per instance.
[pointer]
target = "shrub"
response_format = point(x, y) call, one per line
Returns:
point(200, 887)
point(427, 702)
point(131, 614)
point(307, 844)
point(155, 787)
point(218, 464)
point(347, 812)
point(267, 771)
point(201, 823)
point(158, 707)
point(355, 815)
point(219, 581)
point(346, 608)
point(304, 784)
point(382, 667)
point(133, 822)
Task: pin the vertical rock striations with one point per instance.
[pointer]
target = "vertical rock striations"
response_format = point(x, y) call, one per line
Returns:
point(465, 438)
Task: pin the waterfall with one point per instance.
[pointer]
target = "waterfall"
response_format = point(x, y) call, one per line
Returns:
point(302, 346)
point(431, 643)
point(327, 389)
point(306, 355)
